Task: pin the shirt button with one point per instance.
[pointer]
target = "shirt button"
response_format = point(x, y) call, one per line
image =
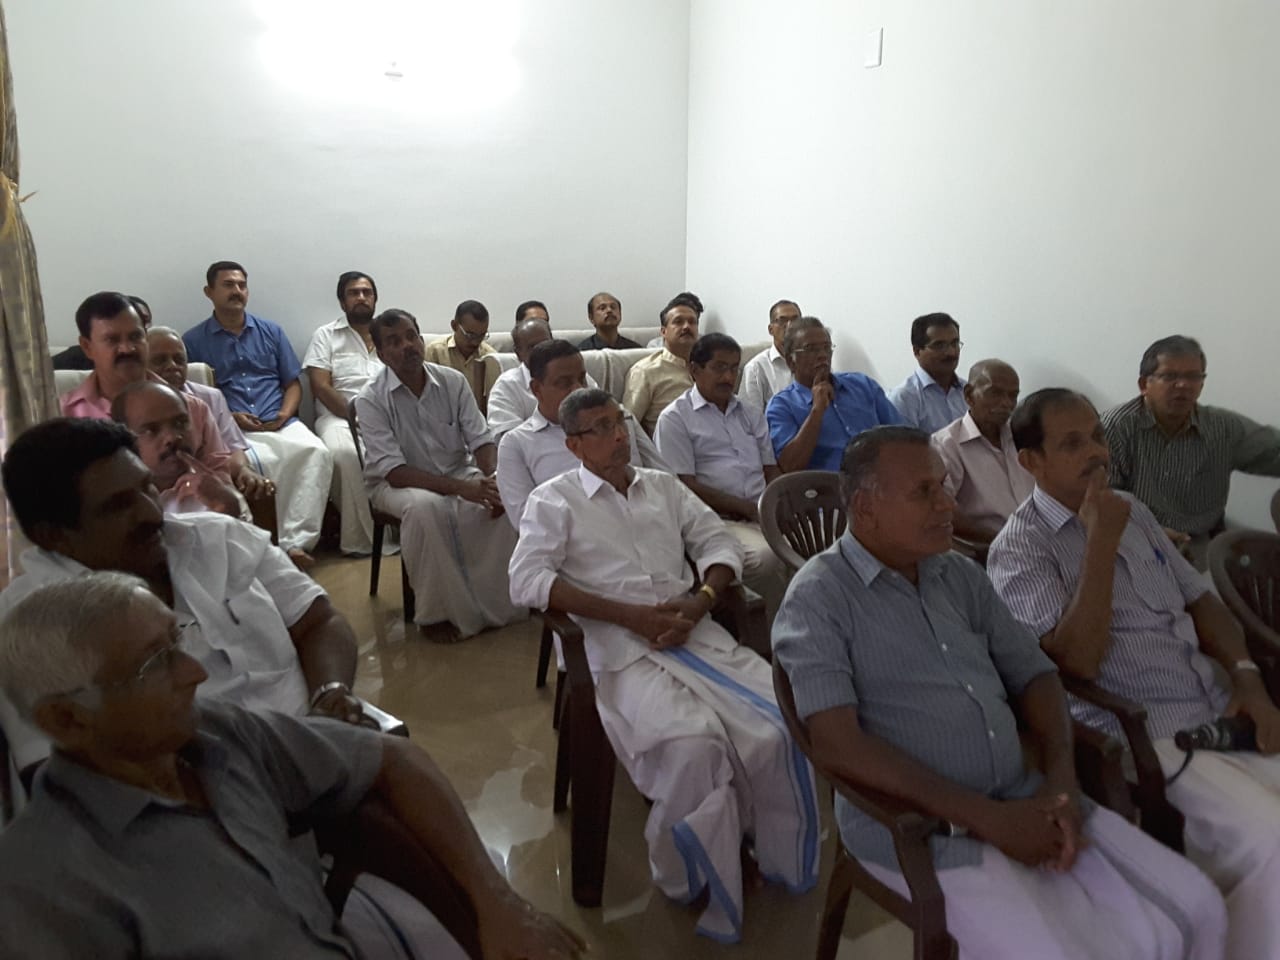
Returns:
point(969, 687)
point(991, 734)
point(944, 646)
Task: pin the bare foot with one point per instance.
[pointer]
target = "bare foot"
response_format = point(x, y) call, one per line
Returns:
point(301, 559)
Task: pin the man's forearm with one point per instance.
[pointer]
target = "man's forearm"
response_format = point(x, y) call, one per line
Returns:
point(1043, 706)
point(332, 400)
point(1081, 639)
point(1221, 635)
point(289, 405)
point(487, 459)
point(407, 476)
point(326, 646)
point(843, 748)
point(799, 450)
point(567, 598)
point(725, 504)
point(427, 805)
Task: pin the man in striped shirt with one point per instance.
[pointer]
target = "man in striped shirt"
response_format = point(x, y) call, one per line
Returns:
point(906, 668)
point(1176, 455)
point(1092, 573)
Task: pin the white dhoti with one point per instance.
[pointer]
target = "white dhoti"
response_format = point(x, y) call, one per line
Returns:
point(1127, 898)
point(699, 732)
point(456, 555)
point(762, 571)
point(301, 467)
point(1231, 802)
point(347, 491)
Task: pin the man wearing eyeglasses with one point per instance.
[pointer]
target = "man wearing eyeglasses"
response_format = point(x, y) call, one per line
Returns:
point(813, 420)
point(265, 632)
point(1176, 455)
point(933, 395)
point(465, 349)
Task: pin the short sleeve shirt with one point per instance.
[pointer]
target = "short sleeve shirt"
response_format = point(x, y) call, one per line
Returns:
point(252, 369)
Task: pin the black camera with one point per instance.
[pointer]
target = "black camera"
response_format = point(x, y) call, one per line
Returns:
point(1224, 733)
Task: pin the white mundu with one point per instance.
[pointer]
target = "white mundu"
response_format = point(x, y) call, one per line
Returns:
point(339, 349)
point(534, 452)
point(696, 727)
point(456, 552)
point(301, 467)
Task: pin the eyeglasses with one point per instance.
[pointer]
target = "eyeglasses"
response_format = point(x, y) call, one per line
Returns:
point(1192, 378)
point(473, 337)
point(942, 346)
point(158, 664)
point(603, 428)
point(817, 350)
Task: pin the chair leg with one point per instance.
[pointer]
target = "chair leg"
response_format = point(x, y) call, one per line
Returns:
point(560, 799)
point(560, 685)
point(593, 769)
point(544, 658)
point(375, 559)
point(406, 589)
point(839, 890)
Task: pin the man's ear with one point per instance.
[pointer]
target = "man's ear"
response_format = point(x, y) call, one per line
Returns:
point(968, 394)
point(1030, 460)
point(1142, 386)
point(208, 292)
point(67, 723)
point(535, 387)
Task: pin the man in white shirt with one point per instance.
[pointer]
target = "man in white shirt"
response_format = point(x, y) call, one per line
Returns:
point(340, 361)
point(983, 472)
point(691, 715)
point(767, 373)
point(933, 395)
point(720, 449)
point(429, 459)
point(535, 451)
point(510, 401)
point(266, 634)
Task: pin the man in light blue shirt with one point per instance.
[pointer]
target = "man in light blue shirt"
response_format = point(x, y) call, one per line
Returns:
point(811, 421)
point(933, 395)
point(257, 371)
point(719, 447)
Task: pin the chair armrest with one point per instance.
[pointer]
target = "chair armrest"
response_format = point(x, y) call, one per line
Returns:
point(388, 724)
point(1100, 767)
point(741, 611)
point(373, 840)
point(1159, 817)
point(904, 821)
point(573, 648)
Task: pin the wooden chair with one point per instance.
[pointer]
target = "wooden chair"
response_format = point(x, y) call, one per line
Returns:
point(801, 514)
point(1098, 760)
point(1245, 566)
point(585, 761)
point(6, 782)
point(381, 521)
point(1275, 510)
point(372, 840)
point(975, 550)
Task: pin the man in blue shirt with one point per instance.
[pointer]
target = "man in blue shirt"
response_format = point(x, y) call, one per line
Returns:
point(811, 421)
point(258, 372)
point(932, 397)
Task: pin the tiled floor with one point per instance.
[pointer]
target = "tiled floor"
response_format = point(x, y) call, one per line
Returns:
point(474, 707)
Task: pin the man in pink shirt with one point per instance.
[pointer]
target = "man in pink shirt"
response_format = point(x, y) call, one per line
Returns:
point(983, 473)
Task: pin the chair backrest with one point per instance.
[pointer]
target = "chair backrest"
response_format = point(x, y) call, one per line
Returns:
point(1245, 565)
point(6, 782)
point(64, 381)
point(787, 707)
point(801, 514)
point(1275, 510)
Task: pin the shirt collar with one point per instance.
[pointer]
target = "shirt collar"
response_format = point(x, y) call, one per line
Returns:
point(113, 804)
point(699, 401)
point(867, 567)
point(1147, 420)
point(538, 422)
point(775, 354)
point(1051, 510)
point(342, 323)
point(395, 383)
point(968, 431)
point(925, 380)
point(669, 357)
point(213, 326)
point(592, 483)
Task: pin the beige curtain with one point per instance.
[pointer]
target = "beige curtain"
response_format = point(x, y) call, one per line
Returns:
point(26, 373)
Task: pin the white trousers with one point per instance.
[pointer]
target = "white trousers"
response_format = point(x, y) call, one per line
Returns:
point(301, 467)
point(698, 731)
point(347, 490)
point(457, 557)
point(762, 571)
point(1127, 898)
point(1231, 802)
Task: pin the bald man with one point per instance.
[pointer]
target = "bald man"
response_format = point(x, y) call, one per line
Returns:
point(510, 400)
point(983, 473)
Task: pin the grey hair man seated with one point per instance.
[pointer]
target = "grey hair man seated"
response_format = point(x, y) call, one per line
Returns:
point(161, 828)
point(908, 669)
point(265, 632)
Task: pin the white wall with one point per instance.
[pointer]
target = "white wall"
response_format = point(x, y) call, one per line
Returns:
point(534, 148)
point(1070, 181)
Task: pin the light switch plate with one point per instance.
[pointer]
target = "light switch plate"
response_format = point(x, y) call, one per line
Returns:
point(875, 48)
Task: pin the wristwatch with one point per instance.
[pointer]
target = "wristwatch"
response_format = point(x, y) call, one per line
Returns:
point(1245, 665)
point(326, 688)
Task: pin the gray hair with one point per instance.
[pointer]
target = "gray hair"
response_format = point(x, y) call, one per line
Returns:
point(862, 455)
point(798, 326)
point(982, 371)
point(165, 330)
point(1174, 346)
point(51, 641)
point(579, 402)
